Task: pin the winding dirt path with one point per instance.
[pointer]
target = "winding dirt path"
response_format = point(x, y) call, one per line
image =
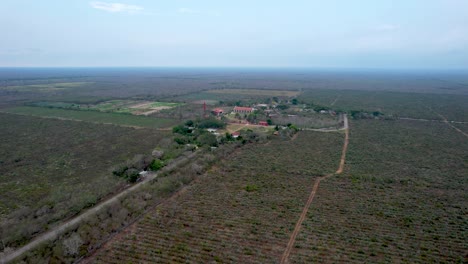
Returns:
point(297, 228)
point(62, 228)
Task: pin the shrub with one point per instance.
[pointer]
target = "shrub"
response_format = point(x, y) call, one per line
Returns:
point(181, 129)
point(156, 165)
point(251, 188)
point(132, 175)
point(208, 139)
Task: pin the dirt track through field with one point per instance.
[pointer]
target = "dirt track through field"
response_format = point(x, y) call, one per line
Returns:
point(336, 100)
point(448, 123)
point(297, 228)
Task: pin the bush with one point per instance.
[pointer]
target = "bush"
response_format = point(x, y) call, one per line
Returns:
point(180, 141)
point(156, 165)
point(208, 139)
point(180, 129)
point(120, 170)
point(132, 175)
point(251, 188)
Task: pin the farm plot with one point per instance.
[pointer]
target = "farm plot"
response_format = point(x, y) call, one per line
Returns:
point(226, 215)
point(136, 107)
point(94, 116)
point(402, 199)
point(133, 107)
point(52, 169)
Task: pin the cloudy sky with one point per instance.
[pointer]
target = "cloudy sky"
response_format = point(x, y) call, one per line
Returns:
point(250, 33)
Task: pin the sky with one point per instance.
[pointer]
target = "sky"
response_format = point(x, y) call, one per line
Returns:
point(396, 34)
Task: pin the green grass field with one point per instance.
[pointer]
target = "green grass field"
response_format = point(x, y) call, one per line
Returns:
point(94, 116)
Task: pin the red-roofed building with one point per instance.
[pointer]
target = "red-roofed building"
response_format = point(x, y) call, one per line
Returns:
point(244, 110)
point(263, 123)
point(235, 134)
point(218, 111)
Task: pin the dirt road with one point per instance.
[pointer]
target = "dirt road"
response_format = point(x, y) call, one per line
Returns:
point(331, 129)
point(432, 120)
point(448, 123)
point(297, 228)
point(55, 232)
point(336, 100)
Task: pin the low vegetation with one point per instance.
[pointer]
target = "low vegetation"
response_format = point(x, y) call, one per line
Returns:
point(402, 198)
point(52, 169)
point(226, 215)
point(92, 116)
point(223, 197)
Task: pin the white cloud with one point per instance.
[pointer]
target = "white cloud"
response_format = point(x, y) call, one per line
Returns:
point(116, 7)
point(184, 10)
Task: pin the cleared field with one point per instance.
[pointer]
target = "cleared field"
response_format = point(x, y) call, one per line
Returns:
point(136, 107)
point(45, 87)
point(256, 92)
point(403, 199)
point(94, 116)
point(132, 106)
point(51, 169)
point(226, 215)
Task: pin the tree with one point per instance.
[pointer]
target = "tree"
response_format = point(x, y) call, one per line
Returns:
point(211, 123)
point(180, 129)
point(72, 245)
point(208, 139)
point(294, 101)
point(132, 175)
point(282, 107)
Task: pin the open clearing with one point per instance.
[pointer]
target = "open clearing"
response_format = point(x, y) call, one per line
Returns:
point(256, 92)
point(94, 116)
